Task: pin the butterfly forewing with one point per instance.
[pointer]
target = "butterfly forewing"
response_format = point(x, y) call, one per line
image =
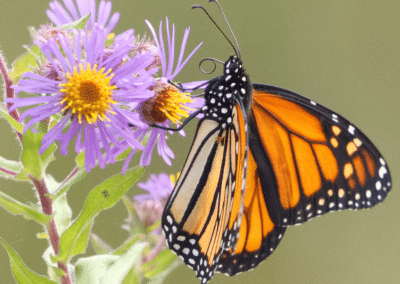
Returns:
point(202, 217)
point(317, 160)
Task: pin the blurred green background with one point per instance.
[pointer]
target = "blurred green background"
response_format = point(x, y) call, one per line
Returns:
point(343, 54)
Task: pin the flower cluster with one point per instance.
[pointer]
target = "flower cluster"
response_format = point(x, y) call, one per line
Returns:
point(108, 96)
point(102, 90)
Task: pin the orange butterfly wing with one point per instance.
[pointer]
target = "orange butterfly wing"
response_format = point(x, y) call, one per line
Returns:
point(310, 159)
point(258, 235)
point(202, 216)
point(304, 161)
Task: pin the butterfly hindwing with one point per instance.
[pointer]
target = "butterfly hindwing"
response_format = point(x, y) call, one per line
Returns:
point(258, 235)
point(312, 160)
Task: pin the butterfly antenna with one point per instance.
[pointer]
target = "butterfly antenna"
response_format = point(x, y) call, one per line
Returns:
point(229, 26)
point(213, 60)
point(205, 11)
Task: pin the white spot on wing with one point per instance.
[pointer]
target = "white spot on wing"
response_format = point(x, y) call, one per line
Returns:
point(169, 219)
point(351, 129)
point(181, 238)
point(382, 171)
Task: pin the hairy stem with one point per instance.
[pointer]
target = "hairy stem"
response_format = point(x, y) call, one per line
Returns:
point(47, 208)
point(10, 93)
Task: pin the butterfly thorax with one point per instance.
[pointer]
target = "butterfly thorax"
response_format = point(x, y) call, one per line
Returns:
point(224, 91)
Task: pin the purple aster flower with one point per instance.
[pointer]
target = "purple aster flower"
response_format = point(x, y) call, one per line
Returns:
point(158, 187)
point(94, 93)
point(74, 11)
point(169, 104)
point(150, 206)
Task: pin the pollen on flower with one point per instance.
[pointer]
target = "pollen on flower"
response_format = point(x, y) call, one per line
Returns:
point(173, 178)
point(47, 32)
point(88, 93)
point(167, 103)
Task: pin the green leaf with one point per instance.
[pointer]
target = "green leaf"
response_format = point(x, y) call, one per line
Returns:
point(53, 271)
point(108, 268)
point(10, 167)
point(92, 269)
point(22, 273)
point(99, 245)
point(80, 174)
point(80, 160)
point(125, 153)
point(127, 245)
point(159, 263)
point(62, 213)
point(82, 240)
point(23, 176)
point(33, 162)
point(120, 269)
point(133, 277)
point(101, 197)
point(78, 24)
point(15, 124)
point(159, 278)
point(24, 63)
point(18, 208)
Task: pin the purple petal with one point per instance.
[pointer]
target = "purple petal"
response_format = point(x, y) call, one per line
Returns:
point(195, 85)
point(54, 134)
point(162, 50)
point(41, 110)
point(171, 48)
point(62, 16)
point(78, 142)
point(107, 149)
point(71, 8)
point(179, 68)
point(90, 160)
point(127, 161)
point(23, 102)
point(112, 22)
point(84, 8)
point(148, 150)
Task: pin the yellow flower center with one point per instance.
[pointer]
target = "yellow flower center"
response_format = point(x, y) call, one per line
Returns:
point(88, 94)
point(167, 103)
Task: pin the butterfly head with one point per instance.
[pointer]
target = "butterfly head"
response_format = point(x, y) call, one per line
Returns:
point(238, 80)
point(223, 92)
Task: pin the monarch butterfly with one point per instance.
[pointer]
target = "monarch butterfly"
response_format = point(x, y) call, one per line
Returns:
point(263, 158)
